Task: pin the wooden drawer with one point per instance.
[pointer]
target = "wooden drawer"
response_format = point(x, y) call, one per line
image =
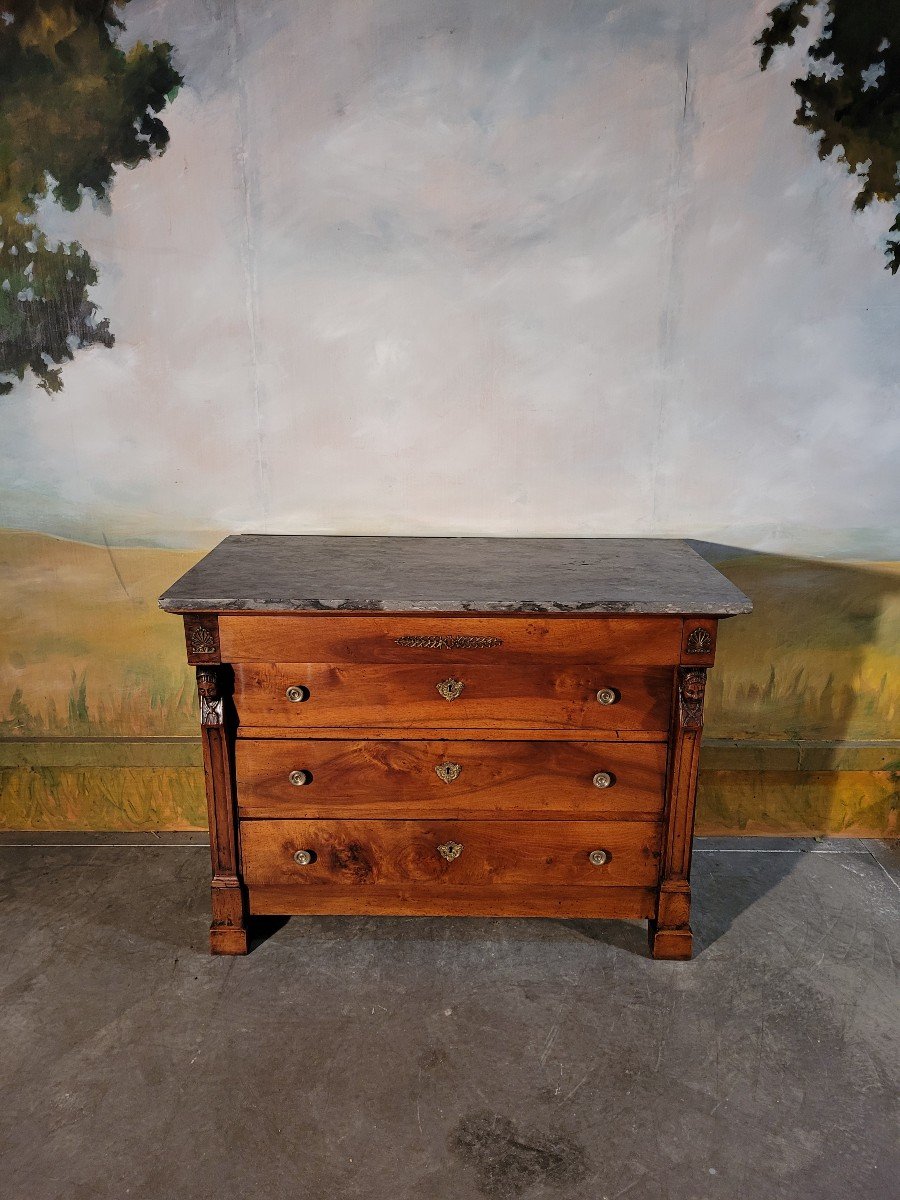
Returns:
point(376, 853)
point(326, 638)
point(526, 779)
point(491, 697)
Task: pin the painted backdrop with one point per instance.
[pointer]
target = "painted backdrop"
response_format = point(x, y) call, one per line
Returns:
point(436, 266)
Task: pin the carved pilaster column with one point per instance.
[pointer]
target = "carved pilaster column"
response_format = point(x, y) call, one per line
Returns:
point(228, 931)
point(670, 933)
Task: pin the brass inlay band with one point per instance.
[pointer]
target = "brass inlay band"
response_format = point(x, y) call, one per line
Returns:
point(453, 641)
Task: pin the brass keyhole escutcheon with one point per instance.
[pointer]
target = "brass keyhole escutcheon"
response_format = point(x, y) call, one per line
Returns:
point(450, 850)
point(303, 857)
point(598, 857)
point(448, 771)
point(603, 779)
point(300, 778)
point(297, 693)
point(450, 689)
point(607, 696)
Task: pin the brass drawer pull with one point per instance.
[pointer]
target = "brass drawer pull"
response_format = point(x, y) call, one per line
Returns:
point(598, 857)
point(300, 778)
point(607, 696)
point(603, 779)
point(450, 689)
point(303, 857)
point(448, 771)
point(450, 850)
point(297, 694)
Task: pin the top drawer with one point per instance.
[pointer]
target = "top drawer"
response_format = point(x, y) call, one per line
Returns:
point(318, 695)
point(334, 638)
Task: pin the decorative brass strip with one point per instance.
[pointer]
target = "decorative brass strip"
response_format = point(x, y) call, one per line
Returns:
point(447, 642)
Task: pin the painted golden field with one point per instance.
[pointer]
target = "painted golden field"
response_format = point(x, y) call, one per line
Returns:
point(85, 653)
point(84, 648)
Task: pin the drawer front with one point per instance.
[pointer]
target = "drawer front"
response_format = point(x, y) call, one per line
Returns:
point(332, 638)
point(454, 696)
point(315, 778)
point(370, 854)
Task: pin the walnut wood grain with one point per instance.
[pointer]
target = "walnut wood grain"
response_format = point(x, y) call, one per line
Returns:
point(398, 779)
point(512, 697)
point(372, 853)
point(613, 641)
point(439, 900)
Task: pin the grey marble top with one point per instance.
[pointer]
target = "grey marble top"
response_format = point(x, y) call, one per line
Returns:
point(303, 573)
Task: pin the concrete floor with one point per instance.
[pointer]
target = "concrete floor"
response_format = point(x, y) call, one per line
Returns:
point(448, 1059)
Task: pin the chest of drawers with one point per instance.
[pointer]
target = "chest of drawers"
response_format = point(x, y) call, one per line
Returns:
point(452, 726)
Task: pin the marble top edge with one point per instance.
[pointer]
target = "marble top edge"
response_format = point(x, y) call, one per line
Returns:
point(369, 573)
point(460, 608)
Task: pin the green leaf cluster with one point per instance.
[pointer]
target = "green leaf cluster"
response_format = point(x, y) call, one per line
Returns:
point(850, 96)
point(74, 106)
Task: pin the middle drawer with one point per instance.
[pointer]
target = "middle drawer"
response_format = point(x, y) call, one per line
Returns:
point(433, 778)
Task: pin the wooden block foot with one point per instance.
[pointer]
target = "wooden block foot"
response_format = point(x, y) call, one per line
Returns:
point(670, 943)
point(228, 939)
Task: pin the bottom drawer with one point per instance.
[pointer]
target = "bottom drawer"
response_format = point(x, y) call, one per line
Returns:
point(367, 856)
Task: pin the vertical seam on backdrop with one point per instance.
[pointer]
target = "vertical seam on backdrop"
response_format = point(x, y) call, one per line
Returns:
point(663, 383)
point(248, 255)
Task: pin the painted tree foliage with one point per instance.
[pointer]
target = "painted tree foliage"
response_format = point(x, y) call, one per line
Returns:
point(850, 96)
point(73, 106)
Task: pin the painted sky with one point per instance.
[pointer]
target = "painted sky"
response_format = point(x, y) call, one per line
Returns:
point(422, 266)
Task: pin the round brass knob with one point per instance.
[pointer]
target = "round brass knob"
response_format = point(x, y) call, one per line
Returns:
point(598, 857)
point(299, 778)
point(602, 779)
point(303, 857)
point(607, 696)
point(297, 694)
